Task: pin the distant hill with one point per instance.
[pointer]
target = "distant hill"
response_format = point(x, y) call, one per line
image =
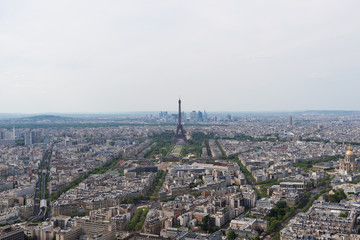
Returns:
point(37, 120)
point(47, 117)
point(42, 119)
point(334, 112)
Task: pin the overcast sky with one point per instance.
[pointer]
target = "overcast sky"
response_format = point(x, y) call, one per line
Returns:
point(115, 56)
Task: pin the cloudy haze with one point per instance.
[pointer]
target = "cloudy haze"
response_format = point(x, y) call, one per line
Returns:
point(114, 56)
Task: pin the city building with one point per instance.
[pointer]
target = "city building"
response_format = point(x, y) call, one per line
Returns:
point(11, 233)
point(348, 164)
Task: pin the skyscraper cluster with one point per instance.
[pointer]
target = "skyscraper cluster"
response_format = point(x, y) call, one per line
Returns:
point(198, 116)
point(193, 117)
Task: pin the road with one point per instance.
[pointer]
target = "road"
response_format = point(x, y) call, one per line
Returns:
point(40, 212)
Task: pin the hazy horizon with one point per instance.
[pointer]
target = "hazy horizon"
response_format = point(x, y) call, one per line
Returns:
point(140, 56)
point(173, 112)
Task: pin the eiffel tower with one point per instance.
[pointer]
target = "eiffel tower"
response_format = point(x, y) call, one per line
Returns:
point(179, 137)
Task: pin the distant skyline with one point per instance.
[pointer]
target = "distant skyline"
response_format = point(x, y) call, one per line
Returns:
point(130, 56)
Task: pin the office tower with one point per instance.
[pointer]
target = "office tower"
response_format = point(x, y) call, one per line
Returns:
point(205, 116)
point(199, 117)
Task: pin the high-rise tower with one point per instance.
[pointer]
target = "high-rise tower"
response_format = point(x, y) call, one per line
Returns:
point(179, 137)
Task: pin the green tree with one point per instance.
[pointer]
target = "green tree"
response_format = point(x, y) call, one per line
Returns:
point(205, 223)
point(231, 235)
point(344, 214)
point(281, 204)
point(138, 226)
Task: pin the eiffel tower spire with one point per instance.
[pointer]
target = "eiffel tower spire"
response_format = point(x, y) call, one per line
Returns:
point(179, 137)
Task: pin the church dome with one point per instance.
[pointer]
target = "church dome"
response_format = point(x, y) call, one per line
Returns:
point(349, 152)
